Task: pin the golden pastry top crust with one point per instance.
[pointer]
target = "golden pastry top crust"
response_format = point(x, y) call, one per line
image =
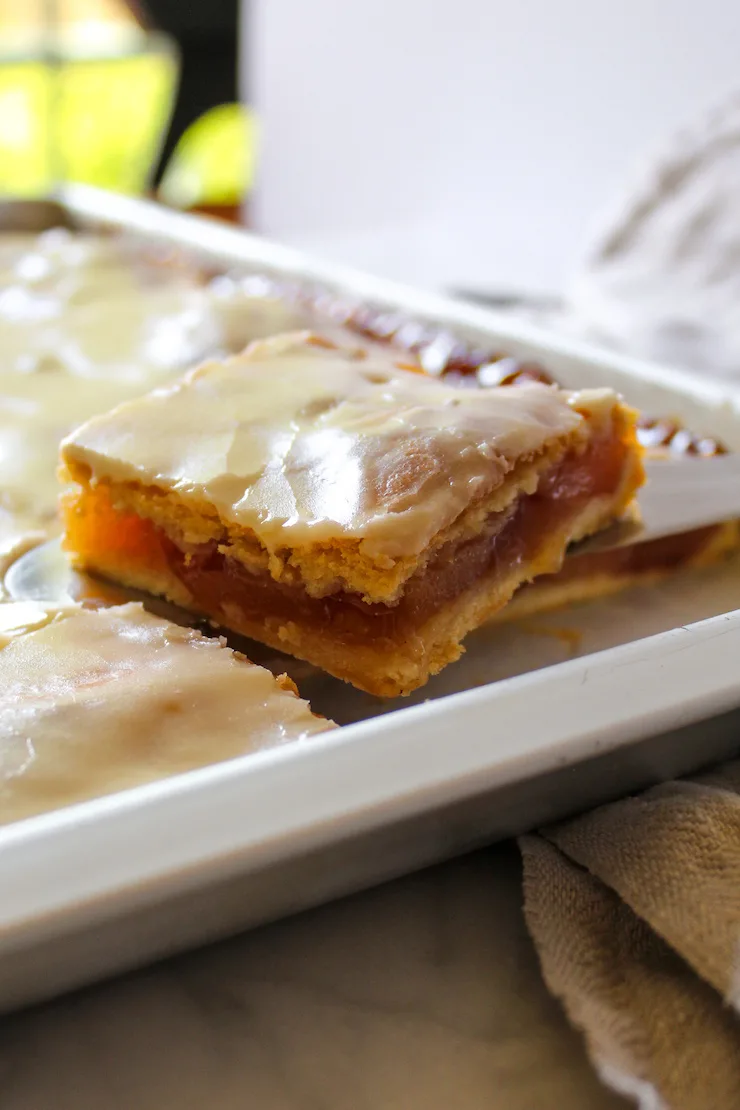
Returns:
point(302, 443)
point(94, 701)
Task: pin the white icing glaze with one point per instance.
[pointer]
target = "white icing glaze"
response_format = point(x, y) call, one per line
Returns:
point(18, 618)
point(90, 307)
point(85, 323)
point(302, 443)
point(92, 702)
point(36, 412)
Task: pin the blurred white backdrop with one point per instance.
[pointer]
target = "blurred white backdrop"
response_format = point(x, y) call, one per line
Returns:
point(475, 140)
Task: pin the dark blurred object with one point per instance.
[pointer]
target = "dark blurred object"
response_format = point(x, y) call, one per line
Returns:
point(507, 299)
point(206, 34)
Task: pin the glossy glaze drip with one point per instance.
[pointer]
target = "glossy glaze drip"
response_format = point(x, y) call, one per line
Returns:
point(303, 442)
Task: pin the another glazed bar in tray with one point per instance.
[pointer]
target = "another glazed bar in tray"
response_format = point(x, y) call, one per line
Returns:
point(97, 701)
point(340, 507)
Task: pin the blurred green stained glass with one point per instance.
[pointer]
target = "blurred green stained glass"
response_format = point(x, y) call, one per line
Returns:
point(100, 121)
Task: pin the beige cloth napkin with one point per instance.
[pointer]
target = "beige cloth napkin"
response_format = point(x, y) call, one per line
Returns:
point(635, 913)
point(662, 279)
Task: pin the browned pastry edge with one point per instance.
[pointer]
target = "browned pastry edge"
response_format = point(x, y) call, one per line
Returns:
point(438, 352)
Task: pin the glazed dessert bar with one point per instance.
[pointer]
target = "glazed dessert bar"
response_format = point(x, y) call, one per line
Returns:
point(343, 508)
point(95, 701)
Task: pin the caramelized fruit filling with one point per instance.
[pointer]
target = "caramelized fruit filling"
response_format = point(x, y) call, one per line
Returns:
point(226, 590)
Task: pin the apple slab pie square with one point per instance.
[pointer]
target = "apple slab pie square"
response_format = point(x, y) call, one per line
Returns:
point(97, 701)
point(341, 507)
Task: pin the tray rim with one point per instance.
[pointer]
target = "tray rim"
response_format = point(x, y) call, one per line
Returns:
point(56, 874)
point(59, 871)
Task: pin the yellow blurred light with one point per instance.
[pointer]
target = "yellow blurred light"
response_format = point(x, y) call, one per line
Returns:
point(213, 162)
point(79, 24)
point(98, 120)
point(23, 150)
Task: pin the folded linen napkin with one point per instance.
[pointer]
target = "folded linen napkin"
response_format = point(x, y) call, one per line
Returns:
point(635, 913)
point(662, 280)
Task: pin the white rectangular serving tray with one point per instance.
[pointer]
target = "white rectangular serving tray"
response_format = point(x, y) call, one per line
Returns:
point(536, 721)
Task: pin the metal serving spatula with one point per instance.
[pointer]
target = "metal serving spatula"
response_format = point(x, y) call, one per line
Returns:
point(680, 495)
